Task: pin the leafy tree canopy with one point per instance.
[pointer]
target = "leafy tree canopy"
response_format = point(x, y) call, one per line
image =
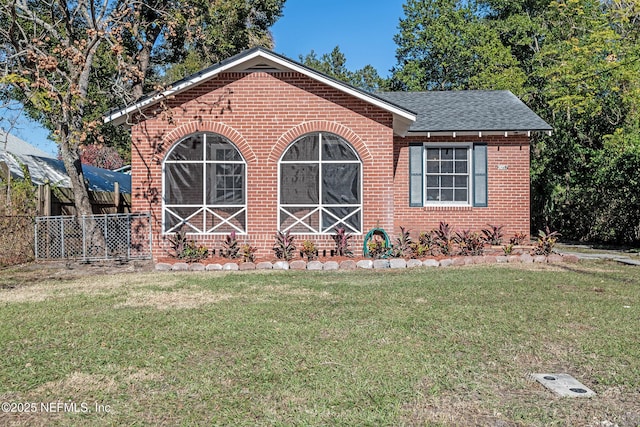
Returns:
point(68, 62)
point(577, 64)
point(334, 64)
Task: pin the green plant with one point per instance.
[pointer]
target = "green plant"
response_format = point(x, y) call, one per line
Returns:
point(284, 247)
point(470, 242)
point(341, 239)
point(159, 343)
point(309, 250)
point(508, 249)
point(177, 243)
point(247, 253)
point(404, 245)
point(193, 252)
point(493, 235)
point(377, 249)
point(518, 238)
point(444, 238)
point(546, 241)
point(424, 246)
point(230, 246)
point(419, 251)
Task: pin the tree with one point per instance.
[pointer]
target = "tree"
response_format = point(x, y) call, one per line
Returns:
point(101, 156)
point(180, 37)
point(50, 49)
point(334, 64)
point(445, 44)
point(577, 64)
point(590, 69)
point(68, 62)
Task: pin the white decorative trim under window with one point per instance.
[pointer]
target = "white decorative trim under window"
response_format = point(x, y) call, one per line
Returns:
point(204, 180)
point(320, 186)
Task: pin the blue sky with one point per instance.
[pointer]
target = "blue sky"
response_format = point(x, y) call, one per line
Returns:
point(363, 29)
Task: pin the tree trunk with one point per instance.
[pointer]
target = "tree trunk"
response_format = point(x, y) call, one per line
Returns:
point(143, 61)
point(71, 160)
point(95, 244)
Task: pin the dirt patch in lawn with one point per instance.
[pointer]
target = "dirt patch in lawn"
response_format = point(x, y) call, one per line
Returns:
point(272, 290)
point(37, 290)
point(60, 272)
point(178, 299)
point(80, 391)
point(77, 386)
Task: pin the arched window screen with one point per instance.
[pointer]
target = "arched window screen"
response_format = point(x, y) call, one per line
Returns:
point(204, 186)
point(320, 186)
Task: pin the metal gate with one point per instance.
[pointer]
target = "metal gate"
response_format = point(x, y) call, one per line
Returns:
point(95, 237)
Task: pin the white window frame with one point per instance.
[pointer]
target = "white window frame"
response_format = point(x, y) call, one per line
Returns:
point(204, 208)
point(469, 174)
point(320, 207)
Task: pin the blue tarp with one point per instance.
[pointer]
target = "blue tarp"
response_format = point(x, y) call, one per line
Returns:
point(46, 170)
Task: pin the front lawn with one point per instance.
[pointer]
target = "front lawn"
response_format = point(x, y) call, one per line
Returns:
point(445, 346)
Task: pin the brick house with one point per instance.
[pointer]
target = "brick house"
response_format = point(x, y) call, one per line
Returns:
point(260, 143)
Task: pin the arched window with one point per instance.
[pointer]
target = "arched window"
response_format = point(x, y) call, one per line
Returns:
point(320, 186)
point(204, 186)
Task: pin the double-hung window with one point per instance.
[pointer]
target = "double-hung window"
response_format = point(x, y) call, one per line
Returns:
point(204, 188)
point(448, 175)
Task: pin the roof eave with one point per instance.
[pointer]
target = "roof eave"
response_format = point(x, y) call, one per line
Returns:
point(478, 133)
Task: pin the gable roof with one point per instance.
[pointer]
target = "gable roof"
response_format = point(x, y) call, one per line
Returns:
point(468, 111)
point(413, 112)
point(261, 59)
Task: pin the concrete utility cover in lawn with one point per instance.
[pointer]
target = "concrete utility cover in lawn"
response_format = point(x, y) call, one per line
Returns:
point(563, 384)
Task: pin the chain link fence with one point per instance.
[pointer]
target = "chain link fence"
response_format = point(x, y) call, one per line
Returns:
point(95, 237)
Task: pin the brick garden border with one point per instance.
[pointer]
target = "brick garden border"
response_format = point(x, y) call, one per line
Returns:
point(393, 263)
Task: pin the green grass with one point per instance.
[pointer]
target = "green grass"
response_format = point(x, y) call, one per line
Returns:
point(431, 346)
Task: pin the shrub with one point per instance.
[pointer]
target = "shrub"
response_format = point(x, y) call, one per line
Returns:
point(518, 238)
point(546, 241)
point(444, 238)
point(247, 252)
point(186, 250)
point(193, 252)
point(424, 246)
point(377, 249)
point(341, 239)
point(470, 243)
point(493, 235)
point(403, 246)
point(178, 242)
point(508, 249)
point(309, 250)
point(230, 246)
point(284, 247)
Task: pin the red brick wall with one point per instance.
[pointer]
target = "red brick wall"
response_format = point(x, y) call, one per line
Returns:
point(508, 191)
point(262, 114)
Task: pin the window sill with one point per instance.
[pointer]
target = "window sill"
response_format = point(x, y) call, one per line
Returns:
point(447, 208)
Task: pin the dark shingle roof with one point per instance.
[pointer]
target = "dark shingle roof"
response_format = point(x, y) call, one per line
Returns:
point(473, 110)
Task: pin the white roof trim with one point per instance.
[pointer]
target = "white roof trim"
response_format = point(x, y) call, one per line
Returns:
point(402, 117)
point(478, 134)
